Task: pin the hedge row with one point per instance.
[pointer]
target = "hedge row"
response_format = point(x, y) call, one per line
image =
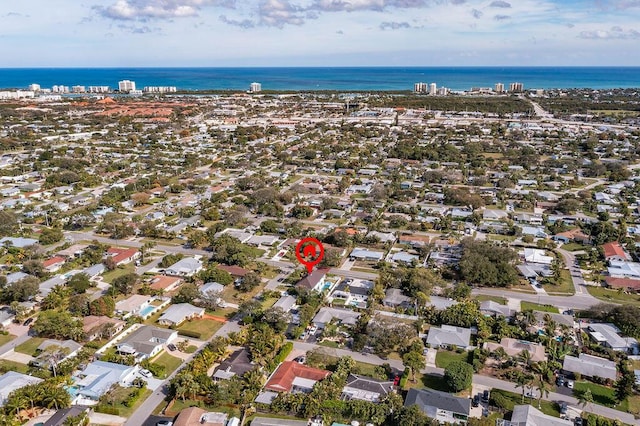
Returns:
point(189, 333)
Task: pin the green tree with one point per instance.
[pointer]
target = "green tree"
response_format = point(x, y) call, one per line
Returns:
point(458, 375)
point(125, 284)
point(50, 236)
point(57, 325)
point(187, 294)
point(415, 361)
point(79, 283)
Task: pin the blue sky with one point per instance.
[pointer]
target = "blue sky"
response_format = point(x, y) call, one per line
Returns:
point(114, 33)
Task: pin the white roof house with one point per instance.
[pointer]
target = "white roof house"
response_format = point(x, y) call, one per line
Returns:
point(590, 366)
point(364, 254)
point(11, 381)
point(537, 256)
point(98, 377)
point(448, 335)
point(186, 267)
point(177, 314)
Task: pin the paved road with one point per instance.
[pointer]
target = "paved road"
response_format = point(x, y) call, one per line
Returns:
point(567, 302)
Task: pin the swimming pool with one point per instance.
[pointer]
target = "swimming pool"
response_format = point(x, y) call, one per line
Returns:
point(72, 390)
point(147, 310)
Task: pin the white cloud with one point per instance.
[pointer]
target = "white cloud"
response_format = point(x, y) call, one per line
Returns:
point(158, 9)
point(394, 25)
point(615, 32)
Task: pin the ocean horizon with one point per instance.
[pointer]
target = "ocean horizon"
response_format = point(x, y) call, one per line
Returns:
point(327, 78)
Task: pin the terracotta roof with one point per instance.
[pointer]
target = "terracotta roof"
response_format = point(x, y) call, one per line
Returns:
point(120, 254)
point(574, 234)
point(53, 261)
point(614, 249)
point(161, 282)
point(234, 270)
point(624, 283)
point(282, 379)
point(92, 321)
point(193, 416)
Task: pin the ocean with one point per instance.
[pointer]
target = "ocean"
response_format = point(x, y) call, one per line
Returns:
point(340, 79)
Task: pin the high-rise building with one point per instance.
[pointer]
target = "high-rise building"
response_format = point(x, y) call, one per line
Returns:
point(98, 89)
point(420, 87)
point(255, 87)
point(126, 86)
point(78, 89)
point(433, 89)
point(160, 89)
point(34, 87)
point(499, 88)
point(516, 87)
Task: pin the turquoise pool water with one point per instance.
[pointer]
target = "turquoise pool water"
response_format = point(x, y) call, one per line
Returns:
point(72, 390)
point(147, 310)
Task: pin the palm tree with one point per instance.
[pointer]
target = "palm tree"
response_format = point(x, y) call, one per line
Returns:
point(15, 404)
point(522, 381)
point(585, 398)
point(543, 388)
point(524, 357)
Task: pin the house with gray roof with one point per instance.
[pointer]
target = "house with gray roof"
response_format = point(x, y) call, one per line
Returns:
point(527, 415)
point(18, 242)
point(186, 267)
point(366, 255)
point(441, 406)
point(608, 336)
point(53, 352)
point(177, 314)
point(394, 298)
point(365, 388)
point(11, 381)
point(145, 342)
point(237, 364)
point(285, 303)
point(344, 316)
point(448, 336)
point(98, 377)
point(495, 309)
point(590, 366)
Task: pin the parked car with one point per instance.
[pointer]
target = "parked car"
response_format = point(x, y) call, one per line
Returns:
point(396, 380)
point(578, 421)
point(569, 384)
point(476, 400)
point(28, 321)
point(300, 359)
point(485, 396)
point(171, 347)
point(563, 408)
point(164, 423)
point(560, 381)
point(146, 373)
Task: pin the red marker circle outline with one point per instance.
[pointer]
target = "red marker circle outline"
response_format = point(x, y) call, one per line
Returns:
point(309, 264)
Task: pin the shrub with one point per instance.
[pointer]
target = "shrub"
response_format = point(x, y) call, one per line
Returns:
point(189, 333)
point(458, 375)
point(106, 409)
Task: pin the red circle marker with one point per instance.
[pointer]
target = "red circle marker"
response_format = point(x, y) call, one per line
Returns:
point(309, 248)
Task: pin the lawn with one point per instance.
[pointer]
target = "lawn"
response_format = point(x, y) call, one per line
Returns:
point(526, 306)
point(572, 247)
point(7, 365)
point(30, 346)
point(547, 407)
point(613, 295)
point(444, 358)
point(206, 327)
point(122, 394)
point(564, 285)
point(109, 276)
point(180, 405)
point(484, 298)
point(6, 338)
point(170, 362)
point(601, 394)
point(432, 381)
point(222, 312)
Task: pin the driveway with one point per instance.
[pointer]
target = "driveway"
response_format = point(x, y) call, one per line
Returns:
point(430, 357)
point(12, 355)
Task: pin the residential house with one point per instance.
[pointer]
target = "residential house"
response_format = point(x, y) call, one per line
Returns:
point(590, 366)
point(18, 242)
point(186, 267)
point(133, 305)
point(404, 257)
point(53, 264)
point(122, 256)
point(285, 303)
point(315, 281)
point(61, 417)
point(53, 352)
point(195, 416)
point(145, 342)
point(383, 237)
point(608, 336)
point(449, 336)
point(573, 235)
point(99, 327)
point(94, 271)
point(558, 319)
point(529, 415)
point(11, 381)
point(613, 251)
point(366, 255)
point(293, 377)
point(441, 406)
point(513, 347)
point(623, 269)
point(343, 316)
point(236, 364)
point(494, 309)
point(354, 292)
point(394, 298)
point(365, 388)
point(494, 214)
point(235, 271)
point(627, 284)
point(165, 283)
point(268, 421)
point(537, 256)
point(75, 250)
point(6, 316)
point(177, 314)
point(98, 377)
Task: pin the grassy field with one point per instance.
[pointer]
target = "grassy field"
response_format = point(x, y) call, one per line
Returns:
point(121, 395)
point(206, 327)
point(564, 286)
point(525, 306)
point(613, 296)
point(444, 358)
point(118, 272)
point(601, 394)
point(29, 347)
point(222, 312)
point(7, 365)
point(431, 381)
point(6, 338)
point(484, 298)
point(170, 362)
point(180, 405)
